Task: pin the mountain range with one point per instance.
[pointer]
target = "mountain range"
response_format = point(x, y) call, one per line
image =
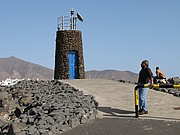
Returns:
point(17, 68)
point(112, 74)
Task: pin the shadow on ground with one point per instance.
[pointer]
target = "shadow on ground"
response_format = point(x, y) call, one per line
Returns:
point(114, 112)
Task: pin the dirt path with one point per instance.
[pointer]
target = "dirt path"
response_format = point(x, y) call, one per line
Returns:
point(117, 99)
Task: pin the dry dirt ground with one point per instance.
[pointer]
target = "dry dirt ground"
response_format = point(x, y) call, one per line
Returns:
point(116, 110)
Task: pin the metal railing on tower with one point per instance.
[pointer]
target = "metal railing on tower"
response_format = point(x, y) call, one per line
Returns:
point(69, 23)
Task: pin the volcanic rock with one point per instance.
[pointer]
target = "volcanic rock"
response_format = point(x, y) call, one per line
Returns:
point(45, 107)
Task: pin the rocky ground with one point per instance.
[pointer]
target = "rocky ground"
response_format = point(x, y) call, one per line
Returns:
point(43, 108)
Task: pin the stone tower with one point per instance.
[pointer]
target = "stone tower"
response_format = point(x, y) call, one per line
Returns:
point(69, 60)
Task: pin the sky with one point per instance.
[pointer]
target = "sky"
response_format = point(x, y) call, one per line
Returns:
point(116, 34)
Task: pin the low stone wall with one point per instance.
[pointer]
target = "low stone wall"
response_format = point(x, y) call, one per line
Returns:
point(44, 107)
point(173, 80)
point(175, 92)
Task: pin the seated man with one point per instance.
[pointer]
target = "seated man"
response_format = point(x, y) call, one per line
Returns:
point(160, 77)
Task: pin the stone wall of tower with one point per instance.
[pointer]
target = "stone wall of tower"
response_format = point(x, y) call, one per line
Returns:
point(66, 41)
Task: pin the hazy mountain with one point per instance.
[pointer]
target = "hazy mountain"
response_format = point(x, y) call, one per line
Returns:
point(112, 74)
point(16, 68)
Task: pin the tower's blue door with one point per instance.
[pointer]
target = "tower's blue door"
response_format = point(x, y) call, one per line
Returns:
point(73, 72)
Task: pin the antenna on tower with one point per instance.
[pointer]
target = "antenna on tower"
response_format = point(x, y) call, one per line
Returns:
point(72, 19)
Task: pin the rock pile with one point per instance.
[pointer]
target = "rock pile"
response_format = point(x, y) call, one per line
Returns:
point(174, 81)
point(44, 108)
point(175, 92)
point(124, 81)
